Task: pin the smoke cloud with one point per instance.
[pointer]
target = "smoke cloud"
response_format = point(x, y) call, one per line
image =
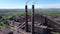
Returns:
point(33, 1)
point(27, 1)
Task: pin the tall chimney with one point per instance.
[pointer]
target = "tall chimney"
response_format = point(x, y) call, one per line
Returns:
point(32, 17)
point(26, 18)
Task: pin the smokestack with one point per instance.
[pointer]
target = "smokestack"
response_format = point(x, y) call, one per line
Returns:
point(26, 18)
point(32, 17)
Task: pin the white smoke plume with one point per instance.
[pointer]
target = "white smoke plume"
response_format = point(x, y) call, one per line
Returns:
point(27, 1)
point(33, 1)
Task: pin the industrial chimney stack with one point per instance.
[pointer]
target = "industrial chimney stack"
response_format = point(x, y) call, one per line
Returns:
point(26, 18)
point(32, 18)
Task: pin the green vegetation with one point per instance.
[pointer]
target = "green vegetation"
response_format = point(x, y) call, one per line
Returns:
point(3, 24)
point(56, 33)
point(51, 13)
point(7, 14)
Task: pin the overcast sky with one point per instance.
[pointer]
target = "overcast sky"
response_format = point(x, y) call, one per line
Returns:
point(13, 4)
